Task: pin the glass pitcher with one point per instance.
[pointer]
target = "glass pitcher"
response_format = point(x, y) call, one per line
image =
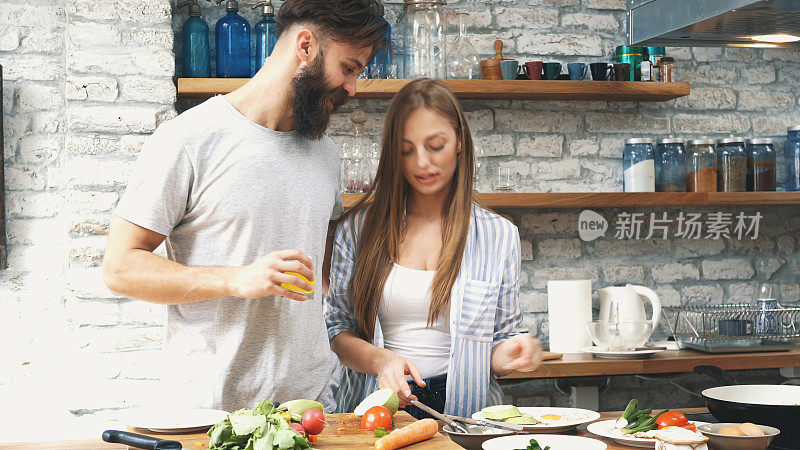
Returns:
point(424, 39)
point(462, 59)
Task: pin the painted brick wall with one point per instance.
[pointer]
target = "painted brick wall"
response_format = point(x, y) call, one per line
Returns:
point(87, 81)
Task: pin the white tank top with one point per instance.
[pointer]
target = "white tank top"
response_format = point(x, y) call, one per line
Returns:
point(403, 314)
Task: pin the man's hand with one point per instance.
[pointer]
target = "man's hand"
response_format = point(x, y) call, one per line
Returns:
point(264, 277)
point(522, 352)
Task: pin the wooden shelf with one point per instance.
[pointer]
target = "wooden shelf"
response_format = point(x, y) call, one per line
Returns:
point(584, 364)
point(625, 199)
point(482, 89)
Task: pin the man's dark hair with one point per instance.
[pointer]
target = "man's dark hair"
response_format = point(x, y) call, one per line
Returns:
point(355, 22)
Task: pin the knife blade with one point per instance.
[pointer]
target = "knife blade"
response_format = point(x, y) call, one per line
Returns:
point(140, 440)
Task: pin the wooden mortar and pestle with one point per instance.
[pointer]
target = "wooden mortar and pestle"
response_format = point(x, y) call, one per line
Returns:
point(490, 68)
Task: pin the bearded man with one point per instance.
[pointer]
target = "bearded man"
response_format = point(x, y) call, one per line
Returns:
point(241, 189)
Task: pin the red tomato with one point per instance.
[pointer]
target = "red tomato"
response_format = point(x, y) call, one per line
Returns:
point(313, 421)
point(376, 417)
point(299, 428)
point(690, 426)
point(671, 419)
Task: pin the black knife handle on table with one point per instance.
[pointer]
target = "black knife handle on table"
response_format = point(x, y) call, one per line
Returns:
point(139, 440)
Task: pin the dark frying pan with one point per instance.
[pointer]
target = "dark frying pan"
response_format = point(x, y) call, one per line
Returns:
point(776, 405)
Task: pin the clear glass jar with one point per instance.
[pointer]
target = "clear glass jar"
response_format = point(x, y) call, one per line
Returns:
point(701, 165)
point(424, 39)
point(731, 165)
point(670, 165)
point(791, 156)
point(371, 166)
point(760, 165)
point(638, 164)
point(357, 149)
point(462, 59)
point(481, 178)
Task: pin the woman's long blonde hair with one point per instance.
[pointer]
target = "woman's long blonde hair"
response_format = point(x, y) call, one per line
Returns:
point(381, 233)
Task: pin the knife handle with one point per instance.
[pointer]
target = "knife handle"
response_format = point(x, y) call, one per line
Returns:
point(140, 440)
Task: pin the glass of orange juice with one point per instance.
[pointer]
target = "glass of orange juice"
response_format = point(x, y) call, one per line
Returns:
point(293, 288)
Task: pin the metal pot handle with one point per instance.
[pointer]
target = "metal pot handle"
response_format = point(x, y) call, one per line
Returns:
point(720, 376)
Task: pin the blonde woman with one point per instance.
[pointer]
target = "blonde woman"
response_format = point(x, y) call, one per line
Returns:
point(424, 282)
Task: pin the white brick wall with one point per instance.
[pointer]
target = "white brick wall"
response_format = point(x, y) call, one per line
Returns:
point(88, 80)
point(84, 85)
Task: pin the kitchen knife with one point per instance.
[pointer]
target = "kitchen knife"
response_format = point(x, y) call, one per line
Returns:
point(454, 425)
point(485, 423)
point(140, 440)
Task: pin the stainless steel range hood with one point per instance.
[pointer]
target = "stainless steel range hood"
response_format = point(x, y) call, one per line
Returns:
point(709, 23)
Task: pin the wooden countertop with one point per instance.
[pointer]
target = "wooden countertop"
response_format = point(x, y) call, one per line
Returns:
point(332, 438)
point(677, 361)
point(350, 439)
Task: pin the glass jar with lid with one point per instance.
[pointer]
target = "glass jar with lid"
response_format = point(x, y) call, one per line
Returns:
point(424, 39)
point(701, 165)
point(791, 155)
point(670, 165)
point(760, 164)
point(731, 165)
point(638, 164)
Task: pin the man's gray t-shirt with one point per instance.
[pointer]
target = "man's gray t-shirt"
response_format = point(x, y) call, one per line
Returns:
point(227, 191)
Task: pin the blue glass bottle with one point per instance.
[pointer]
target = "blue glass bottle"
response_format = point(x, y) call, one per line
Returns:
point(791, 155)
point(670, 165)
point(379, 66)
point(638, 164)
point(196, 51)
point(266, 34)
point(233, 43)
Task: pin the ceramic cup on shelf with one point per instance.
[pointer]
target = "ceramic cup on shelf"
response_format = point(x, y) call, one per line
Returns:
point(600, 71)
point(510, 69)
point(551, 71)
point(577, 71)
point(533, 70)
point(622, 71)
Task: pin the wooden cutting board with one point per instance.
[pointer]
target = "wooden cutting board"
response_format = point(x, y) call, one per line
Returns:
point(342, 432)
point(547, 356)
point(351, 437)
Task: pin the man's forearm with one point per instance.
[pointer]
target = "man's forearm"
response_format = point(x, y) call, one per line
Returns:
point(143, 275)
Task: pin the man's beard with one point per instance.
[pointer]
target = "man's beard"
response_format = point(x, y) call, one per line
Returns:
point(310, 99)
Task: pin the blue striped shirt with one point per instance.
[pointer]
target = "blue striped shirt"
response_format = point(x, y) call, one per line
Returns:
point(484, 311)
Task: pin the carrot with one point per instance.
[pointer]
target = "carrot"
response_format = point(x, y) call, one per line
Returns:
point(409, 434)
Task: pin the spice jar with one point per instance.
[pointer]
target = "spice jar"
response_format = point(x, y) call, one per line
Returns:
point(638, 166)
point(670, 165)
point(731, 165)
point(760, 165)
point(791, 154)
point(666, 69)
point(701, 165)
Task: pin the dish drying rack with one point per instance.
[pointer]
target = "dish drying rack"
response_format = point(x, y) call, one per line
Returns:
point(734, 328)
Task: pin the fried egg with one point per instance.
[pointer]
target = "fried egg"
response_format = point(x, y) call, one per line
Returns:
point(555, 419)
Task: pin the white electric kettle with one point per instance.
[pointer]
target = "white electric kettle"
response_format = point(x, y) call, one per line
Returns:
point(624, 304)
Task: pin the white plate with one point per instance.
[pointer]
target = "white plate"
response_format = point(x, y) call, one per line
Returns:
point(621, 354)
point(555, 441)
point(580, 416)
point(606, 429)
point(176, 421)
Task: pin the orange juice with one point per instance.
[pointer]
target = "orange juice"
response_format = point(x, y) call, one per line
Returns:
point(294, 288)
